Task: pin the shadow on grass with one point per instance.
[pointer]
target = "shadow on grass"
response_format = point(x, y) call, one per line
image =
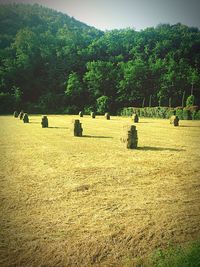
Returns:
point(58, 127)
point(149, 148)
point(146, 122)
point(188, 126)
point(96, 136)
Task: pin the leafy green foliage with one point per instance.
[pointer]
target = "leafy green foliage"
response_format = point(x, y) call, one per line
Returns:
point(190, 101)
point(47, 55)
point(163, 112)
point(102, 104)
point(75, 90)
point(177, 257)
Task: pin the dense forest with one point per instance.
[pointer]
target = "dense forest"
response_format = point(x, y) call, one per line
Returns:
point(52, 63)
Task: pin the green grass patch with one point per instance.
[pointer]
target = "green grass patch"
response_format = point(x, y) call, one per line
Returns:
point(174, 256)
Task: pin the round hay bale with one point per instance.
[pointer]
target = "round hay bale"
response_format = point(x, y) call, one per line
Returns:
point(135, 118)
point(174, 120)
point(45, 122)
point(21, 114)
point(25, 118)
point(93, 115)
point(107, 116)
point(130, 137)
point(81, 114)
point(15, 114)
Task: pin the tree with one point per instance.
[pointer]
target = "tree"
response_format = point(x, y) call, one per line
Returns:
point(103, 104)
point(75, 91)
point(40, 47)
point(101, 78)
point(133, 85)
point(17, 95)
point(190, 101)
point(193, 78)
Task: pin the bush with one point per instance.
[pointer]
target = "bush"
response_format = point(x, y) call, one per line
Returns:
point(162, 112)
point(170, 112)
point(196, 115)
point(150, 112)
point(71, 110)
point(102, 104)
point(187, 114)
point(88, 110)
point(192, 108)
point(190, 101)
point(127, 112)
point(179, 113)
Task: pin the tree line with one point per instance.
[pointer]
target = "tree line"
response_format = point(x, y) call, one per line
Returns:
point(51, 62)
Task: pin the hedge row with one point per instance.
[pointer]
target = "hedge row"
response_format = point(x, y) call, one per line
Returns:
point(188, 113)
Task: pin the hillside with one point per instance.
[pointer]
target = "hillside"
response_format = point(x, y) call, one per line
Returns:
point(51, 62)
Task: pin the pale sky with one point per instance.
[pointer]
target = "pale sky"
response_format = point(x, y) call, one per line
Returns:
point(118, 14)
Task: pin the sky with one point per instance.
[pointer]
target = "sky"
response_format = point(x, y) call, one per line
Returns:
point(119, 14)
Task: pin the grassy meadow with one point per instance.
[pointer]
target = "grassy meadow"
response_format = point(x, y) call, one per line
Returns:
point(89, 201)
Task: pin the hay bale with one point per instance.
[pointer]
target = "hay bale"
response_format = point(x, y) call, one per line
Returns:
point(174, 120)
point(80, 113)
point(107, 116)
point(77, 129)
point(25, 118)
point(93, 115)
point(21, 115)
point(135, 118)
point(45, 122)
point(15, 114)
point(129, 138)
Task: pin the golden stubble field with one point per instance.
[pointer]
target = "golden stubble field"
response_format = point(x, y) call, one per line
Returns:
point(71, 201)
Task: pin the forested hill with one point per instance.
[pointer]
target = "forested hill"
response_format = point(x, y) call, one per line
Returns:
point(50, 62)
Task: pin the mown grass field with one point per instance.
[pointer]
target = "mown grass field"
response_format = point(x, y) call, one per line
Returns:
point(71, 201)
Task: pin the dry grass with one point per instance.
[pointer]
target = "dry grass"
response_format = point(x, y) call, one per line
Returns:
point(88, 201)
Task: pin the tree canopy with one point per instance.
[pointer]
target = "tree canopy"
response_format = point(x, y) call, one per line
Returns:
point(50, 62)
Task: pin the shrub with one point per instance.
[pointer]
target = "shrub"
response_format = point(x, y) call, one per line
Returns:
point(71, 110)
point(88, 110)
point(170, 112)
point(190, 101)
point(102, 104)
point(192, 108)
point(162, 112)
point(196, 115)
point(187, 114)
point(127, 112)
point(179, 113)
